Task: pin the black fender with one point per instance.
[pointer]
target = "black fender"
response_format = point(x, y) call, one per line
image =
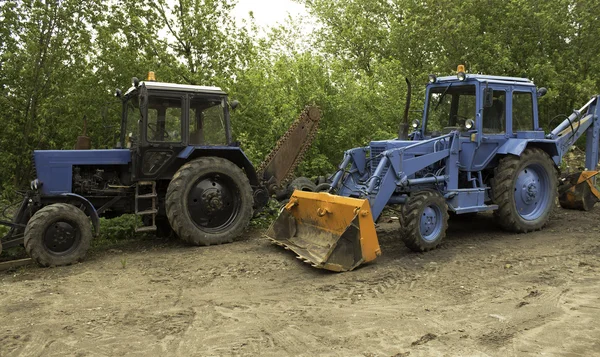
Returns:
point(70, 197)
point(232, 153)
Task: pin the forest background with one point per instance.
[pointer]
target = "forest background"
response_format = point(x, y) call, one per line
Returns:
point(61, 60)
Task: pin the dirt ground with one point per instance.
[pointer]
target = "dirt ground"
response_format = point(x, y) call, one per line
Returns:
point(485, 292)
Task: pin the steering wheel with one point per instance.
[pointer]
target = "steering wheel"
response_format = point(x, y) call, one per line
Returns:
point(463, 119)
point(155, 130)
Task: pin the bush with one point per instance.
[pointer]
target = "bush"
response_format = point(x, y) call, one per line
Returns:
point(119, 228)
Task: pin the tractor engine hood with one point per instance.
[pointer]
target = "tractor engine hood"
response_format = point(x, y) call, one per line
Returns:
point(55, 167)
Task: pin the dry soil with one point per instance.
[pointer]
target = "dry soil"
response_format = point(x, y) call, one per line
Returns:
point(485, 292)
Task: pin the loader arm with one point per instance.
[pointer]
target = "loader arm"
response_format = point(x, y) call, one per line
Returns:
point(337, 232)
point(396, 168)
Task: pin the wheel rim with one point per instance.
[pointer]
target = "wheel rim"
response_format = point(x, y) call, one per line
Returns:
point(531, 192)
point(431, 223)
point(214, 202)
point(61, 237)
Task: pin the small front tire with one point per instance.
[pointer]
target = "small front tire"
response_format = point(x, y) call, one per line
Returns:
point(58, 234)
point(424, 221)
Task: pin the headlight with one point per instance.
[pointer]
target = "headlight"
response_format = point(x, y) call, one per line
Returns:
point(469, 124)
point(432, 78)
point(415, 124)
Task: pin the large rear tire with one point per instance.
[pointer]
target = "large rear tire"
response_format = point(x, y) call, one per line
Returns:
point(524, 188)
point(424, 221)
point(58, 234)
point(209, 201)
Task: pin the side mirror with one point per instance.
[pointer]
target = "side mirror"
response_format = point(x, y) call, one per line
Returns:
point(234, 104)
point(542, 92)
point(488, 97)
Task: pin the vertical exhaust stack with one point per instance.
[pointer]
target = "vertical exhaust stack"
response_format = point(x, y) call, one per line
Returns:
point(403, 130)
point(83, 141)
point(329, 232)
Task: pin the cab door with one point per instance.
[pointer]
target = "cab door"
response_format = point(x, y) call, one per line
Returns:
point(163, 134)
point(492, 128)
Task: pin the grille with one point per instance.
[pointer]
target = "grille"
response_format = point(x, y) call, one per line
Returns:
point(376, 150)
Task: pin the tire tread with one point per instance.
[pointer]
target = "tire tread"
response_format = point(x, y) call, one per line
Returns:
point(36, 228)
point(502, 190)
point(178, 216)
point(410, 218)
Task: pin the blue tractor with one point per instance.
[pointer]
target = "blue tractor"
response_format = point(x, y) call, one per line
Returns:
point(479, 147)
point(175, 166)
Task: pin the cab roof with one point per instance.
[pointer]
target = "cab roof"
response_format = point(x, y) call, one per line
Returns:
point(487, 79)
point(183, 88)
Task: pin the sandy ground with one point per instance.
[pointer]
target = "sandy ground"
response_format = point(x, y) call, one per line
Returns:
point(483, 293)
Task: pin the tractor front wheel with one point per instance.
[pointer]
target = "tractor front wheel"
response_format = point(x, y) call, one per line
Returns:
point(423, 221)
point(58, 234)
point(524, 188)
point(209, 201)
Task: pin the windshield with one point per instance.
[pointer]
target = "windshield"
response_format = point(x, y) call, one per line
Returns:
point(164, 119)
point(449, 107)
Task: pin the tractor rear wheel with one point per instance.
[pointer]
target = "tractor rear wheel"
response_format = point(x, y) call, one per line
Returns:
point(58, 234)
point(524, 188)
point(209, 201)
point(423, 221)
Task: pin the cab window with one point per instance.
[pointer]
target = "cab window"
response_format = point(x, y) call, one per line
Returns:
point(494, 117)
point(522, 111)
point(164, 119)
point(207, 122)
point(449, 107)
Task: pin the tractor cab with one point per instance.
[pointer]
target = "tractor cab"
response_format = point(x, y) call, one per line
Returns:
point(480, 107)
point(486, 111)
point(161, 119)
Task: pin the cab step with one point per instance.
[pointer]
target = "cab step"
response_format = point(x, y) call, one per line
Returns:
point(145, 229)
point(145, 196)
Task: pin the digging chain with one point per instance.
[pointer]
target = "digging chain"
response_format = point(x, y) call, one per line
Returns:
point(309, 139)
point(304, 117)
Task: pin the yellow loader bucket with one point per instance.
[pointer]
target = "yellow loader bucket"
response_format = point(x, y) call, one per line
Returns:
point(330, 232)
point(577, 191)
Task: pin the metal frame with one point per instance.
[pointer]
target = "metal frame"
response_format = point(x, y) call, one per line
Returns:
point(387, 172)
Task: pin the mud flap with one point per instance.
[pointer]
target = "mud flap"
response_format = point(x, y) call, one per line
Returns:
point(329, 232)
point(577, 191)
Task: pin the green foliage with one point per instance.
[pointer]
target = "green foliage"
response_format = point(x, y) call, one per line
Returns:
point(62, 60)
point(267, 215)
point(120, 228)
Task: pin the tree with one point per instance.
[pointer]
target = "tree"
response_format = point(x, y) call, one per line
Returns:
point(41, 59)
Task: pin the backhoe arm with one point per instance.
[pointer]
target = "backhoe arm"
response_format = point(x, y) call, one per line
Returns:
point(584, 120)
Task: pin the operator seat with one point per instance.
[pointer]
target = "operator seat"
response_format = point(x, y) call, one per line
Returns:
point(493, 117)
